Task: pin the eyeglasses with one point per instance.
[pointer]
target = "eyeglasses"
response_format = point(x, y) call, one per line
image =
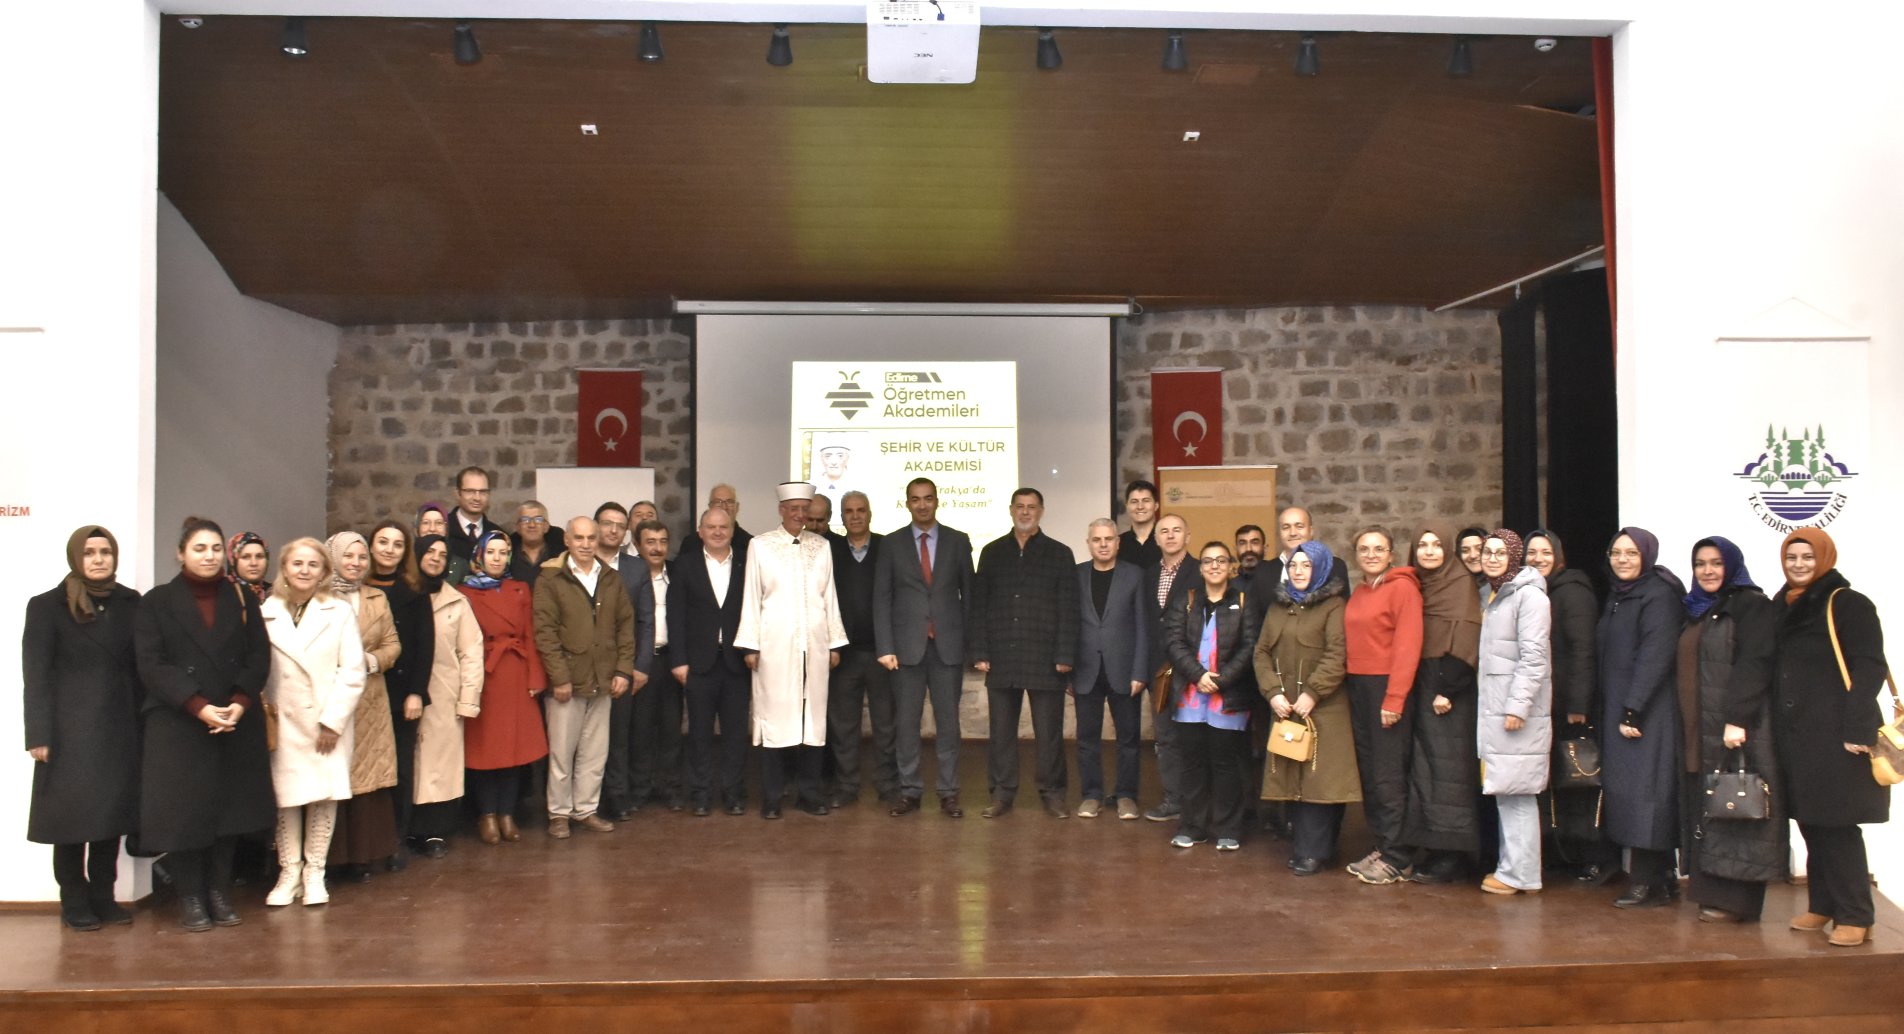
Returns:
point(1494, 554)
point(532, 520)
point(472, 491)
point(1371, 550)
point(1215, 561)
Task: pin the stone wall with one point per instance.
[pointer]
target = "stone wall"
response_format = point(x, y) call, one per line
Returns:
point(411, 405)
point(1375, 414)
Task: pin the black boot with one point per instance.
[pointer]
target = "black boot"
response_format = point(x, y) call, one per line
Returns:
point(1646, 895)
point(218, 894)
point(192, 915)
point(102, 872)
point(188, 876)
point(69, 871)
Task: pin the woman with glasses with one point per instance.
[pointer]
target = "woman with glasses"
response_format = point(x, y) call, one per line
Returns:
point(1639, 765)
point(1382, 623)
point(1301, 658)
point(1211, 637)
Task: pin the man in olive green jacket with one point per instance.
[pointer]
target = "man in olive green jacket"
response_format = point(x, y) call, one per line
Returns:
point(585, 631)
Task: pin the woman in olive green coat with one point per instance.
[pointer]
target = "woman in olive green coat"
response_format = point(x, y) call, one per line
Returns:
point(1301, 658)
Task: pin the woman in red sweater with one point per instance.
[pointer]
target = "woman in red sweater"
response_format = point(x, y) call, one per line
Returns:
point(1383, 625)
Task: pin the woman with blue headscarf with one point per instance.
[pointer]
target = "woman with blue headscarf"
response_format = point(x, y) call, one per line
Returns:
point(1725, 681)
point(1302, 656)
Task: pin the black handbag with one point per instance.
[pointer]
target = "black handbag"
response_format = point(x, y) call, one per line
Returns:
point(1579, 764)
point(1737, 794)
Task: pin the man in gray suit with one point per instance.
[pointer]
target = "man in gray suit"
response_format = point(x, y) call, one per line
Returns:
point(1112, 667)
point(921, 582)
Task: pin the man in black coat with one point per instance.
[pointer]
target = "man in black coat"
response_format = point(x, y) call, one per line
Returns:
point(1024, 638)
point(704, 605)
point(859, 677)
point(469, 521)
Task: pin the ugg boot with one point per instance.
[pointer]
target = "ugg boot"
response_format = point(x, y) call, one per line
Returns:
point(290, 884)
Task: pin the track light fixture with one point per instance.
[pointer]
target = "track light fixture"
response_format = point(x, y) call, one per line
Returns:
point(780, 49)
point(1048, 57)
point(293, 41)
point(467, 50)
point(1175, 60)
point(650, 49)
point(1461, 62)
point(1308, 57)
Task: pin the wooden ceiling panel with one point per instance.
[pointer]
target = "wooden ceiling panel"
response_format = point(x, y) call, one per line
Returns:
point(376, 180)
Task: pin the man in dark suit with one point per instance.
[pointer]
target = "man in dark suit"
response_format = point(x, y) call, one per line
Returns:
point(618, 796)
point(922, 585)
point(469, 522)
point(860, 676)
point(1113, 657)
point(1166, 582)
point(721, 497)
point(655, 747)
point(1024, 638)
point(704, 607)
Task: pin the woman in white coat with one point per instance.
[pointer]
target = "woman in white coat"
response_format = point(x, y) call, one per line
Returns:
point(1515, 731)
point(456, 693)
point(317, 676)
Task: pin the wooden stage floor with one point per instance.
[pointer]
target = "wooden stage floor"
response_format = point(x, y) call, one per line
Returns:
point(862, 922)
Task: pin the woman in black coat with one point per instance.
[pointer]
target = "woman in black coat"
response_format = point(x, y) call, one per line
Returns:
point(203, 655)
point(82, 726)
point(1573, 814)
point(393, 568)
point(1444, 772)
point(1725, 678)
point(1825, 717)
point(1211, 640)
point(1637, 640)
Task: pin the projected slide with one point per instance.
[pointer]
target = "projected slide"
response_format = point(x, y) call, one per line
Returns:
point(874, 426)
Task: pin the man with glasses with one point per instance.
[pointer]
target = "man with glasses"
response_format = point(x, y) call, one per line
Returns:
point(469, 522)
point(534, 541)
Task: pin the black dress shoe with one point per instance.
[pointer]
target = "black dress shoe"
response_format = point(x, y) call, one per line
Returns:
point(1598, 875)
point(737, 807)
point(949, 806)
point(996, 809)
point(1306, 866)
point(436, 847)
point(219, 905)
point(1645, 895)
point(702, 811)
point(1710, 914)
point(109, 911)
point(79, 915)
point(816, 808)
point(192, 915)
point(904, 806)
point(770, 810)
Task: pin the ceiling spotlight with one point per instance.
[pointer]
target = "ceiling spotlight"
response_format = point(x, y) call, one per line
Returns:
point(1175, 60)
point(1309, 58)
point(780, 50)
point(192, 22)
point(467, 52)
point(650, 42)
point(1048, 57)
point(294, 42)
point(1461, 62)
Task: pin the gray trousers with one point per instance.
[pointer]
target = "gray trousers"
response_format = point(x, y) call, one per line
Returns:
point(911, 684)
point(578, 754)
point(1169, 754)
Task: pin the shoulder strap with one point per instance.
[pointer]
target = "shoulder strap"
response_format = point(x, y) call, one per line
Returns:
point(244, 616)
point(1831, 627)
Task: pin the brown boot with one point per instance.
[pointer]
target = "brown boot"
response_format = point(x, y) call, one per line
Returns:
point(595, 824)
point(1849, 936)
point(559, 827)
point(487, 831)
point(507, 823)
point(1811, 922)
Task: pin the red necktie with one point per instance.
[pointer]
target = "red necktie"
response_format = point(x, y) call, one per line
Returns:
point(925, 569)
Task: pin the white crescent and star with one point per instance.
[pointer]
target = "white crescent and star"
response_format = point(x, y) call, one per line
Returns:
point(1176, 430)
point(622, 418)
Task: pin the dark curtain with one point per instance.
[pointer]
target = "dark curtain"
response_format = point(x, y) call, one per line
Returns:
point(1520, 416)
point(1583, 442)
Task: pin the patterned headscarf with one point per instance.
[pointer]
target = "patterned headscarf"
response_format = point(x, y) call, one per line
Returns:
point(1321, 562)
point(336, 544)
point(477, 578)
point(1698, 601)
point(262, 587)
point(1516, 558)
point(80, 593)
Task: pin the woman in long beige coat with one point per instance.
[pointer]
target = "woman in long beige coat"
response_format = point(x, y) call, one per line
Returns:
point(367, 823)
point(317, 677)
point(1301, 658)
point(456, 693)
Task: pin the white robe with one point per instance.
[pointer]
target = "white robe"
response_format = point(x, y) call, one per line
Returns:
point(791, 615)
point(317, 676)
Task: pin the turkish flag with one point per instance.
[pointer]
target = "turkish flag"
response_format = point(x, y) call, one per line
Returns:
point(608, 418)
point(1186, 417)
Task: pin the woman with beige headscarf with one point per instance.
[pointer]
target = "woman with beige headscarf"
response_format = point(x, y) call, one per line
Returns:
point(366, 831)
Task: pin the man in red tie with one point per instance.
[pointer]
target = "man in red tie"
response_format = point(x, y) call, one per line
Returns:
point(921, 583)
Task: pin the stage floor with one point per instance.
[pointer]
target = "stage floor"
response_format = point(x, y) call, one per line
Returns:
point(861, 904)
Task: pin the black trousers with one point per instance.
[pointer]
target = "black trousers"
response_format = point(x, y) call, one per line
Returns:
point(861, 682)
point(1839, 874)
point(802, 762)
point(495, 791)
point(1651, 867)
point(1382, 755)
point(1215, 779)
point(403, 798)
point(654, 764)
point(1315, 829)
point(1047, 725)
point(1127, 719)
point(726, 697)
point(206, 868)
point(87, 871)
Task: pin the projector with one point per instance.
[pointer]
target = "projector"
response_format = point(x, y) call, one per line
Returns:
point(922, 41)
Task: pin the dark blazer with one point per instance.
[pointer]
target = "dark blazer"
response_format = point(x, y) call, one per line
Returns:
point(1638, 654)
point(82, 703)
point(903, 603)
point(1187, 578)
point(634, 578)
point(1814, 716)
point(196, 786)
point(1025, 612)
point(460, 544)
point(701, 631)
point(853, 582)
point(1117, 644)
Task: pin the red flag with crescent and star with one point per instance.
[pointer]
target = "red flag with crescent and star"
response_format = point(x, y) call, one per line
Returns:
point(608, 418)
point(1186, 417)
